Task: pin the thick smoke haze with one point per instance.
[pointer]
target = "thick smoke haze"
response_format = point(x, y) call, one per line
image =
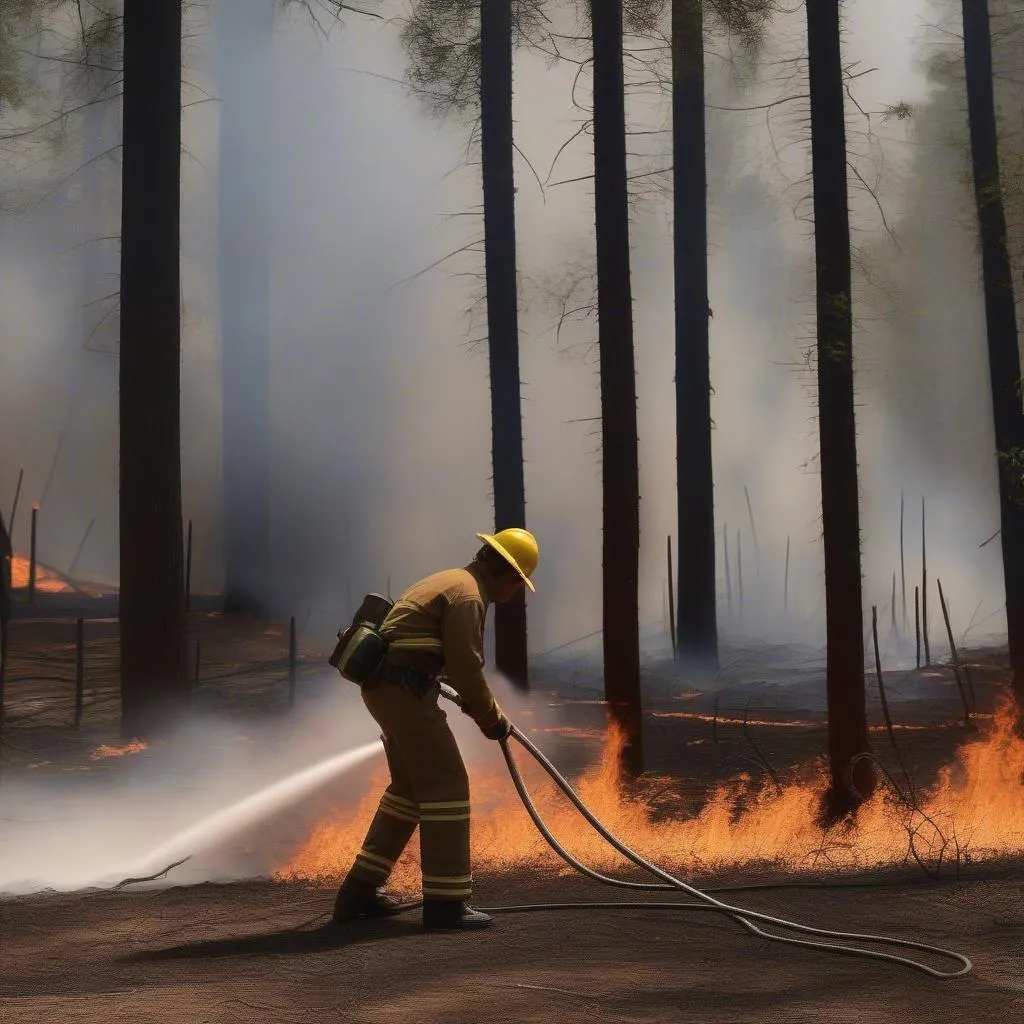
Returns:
point(380, 430)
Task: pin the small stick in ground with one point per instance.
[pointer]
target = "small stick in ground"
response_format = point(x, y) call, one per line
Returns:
point(881, 693)
point(753, 533)
point(188, 569)
point(671, 603)
point(32, 557)
point(79, 670)
point(739, 569)
point(14, 507)
point(955, 658)
point(81, 547)
point(917, 623)
point(924, 591)
point(903, 569)
point(728, 570)
point(785, 580)
point(714, 722)
point(893, 602)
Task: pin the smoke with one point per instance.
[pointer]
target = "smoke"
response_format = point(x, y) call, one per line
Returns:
point(379, 413)
point(237, 795)
point(233, 794)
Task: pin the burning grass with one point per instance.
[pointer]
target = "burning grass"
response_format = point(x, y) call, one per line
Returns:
point(135, 747)
point(974, 811)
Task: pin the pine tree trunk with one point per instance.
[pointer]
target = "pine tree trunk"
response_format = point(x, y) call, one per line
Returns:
point(697, 626)
point(244, 36)
point(152, 606)
point(502, 314)
point(620, 477)
point(847, 729)
point(1001, 323)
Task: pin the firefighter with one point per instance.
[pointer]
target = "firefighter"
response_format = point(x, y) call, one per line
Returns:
point(435, 627)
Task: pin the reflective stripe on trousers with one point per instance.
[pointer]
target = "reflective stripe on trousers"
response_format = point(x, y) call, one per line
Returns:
point(429, 787)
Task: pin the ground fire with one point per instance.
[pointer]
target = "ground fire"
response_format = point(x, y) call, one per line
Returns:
point(135, 747)
point(975, 810)
point(47, 581)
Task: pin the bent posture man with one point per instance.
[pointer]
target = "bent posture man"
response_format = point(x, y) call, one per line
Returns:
point(437, 624)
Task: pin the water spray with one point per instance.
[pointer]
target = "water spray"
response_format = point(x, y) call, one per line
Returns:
point(223, 824)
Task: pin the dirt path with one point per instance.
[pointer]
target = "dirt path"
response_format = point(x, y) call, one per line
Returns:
point(256, 951)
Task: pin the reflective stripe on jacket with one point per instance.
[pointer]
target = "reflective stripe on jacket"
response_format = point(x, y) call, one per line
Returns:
point(438, 623)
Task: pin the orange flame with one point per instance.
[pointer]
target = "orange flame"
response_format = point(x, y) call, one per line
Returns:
point(46, 580)
point(975, 808)
point(135, 747)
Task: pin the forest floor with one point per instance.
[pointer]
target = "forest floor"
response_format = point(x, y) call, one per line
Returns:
point(250, 948)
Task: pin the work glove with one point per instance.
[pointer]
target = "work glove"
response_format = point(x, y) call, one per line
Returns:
point(500, 730)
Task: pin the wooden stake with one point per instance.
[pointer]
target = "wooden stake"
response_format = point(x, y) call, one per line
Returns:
point(903, 571)
point(188, 569)
point(671, 603)
point(917, 623)
point(878, 674)
point(924, 591)
point(753, 533)
point(81, 547)
point(728, 570)
point(739, 569)
point(14, 507)
point(291, 662)
point(955, 658)
point(882, 697)
point(785, 580)
point(32, 558)
point(79, 670)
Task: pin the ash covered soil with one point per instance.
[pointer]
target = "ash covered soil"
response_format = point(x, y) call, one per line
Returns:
point(252, 951)
point(258, 950)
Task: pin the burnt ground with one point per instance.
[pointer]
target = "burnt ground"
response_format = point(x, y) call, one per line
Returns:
point(258, 950)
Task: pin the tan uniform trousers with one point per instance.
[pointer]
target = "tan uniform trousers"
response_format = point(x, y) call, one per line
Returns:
point(429, 787)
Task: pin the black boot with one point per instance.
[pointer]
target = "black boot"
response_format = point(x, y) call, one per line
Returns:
point(438, 914)
point(357, 898)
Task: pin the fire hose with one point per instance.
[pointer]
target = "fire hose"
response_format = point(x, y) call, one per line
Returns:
point(669, 882)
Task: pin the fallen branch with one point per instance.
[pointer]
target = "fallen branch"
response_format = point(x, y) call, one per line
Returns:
point(150, 878)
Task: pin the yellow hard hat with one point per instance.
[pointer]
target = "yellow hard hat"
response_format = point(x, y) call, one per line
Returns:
point(518, 548)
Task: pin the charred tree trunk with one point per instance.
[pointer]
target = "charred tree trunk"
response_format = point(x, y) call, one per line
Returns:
point(244, 35)
point(620, 467)
point(502, 313)
point(847, 728)
point(697, 627)
point(1001, 323)
point(152, 607)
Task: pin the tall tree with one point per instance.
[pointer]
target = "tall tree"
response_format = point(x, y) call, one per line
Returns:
point(619, 455)
point(502, 312)
point(460, 55)
point(152, 608)
point(244, 38)
point(847, 728)
point(696, 625)
point(1001, 322)
point(696, 606)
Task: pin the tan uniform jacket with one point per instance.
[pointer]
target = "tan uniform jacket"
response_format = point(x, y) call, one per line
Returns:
point(438, 623)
